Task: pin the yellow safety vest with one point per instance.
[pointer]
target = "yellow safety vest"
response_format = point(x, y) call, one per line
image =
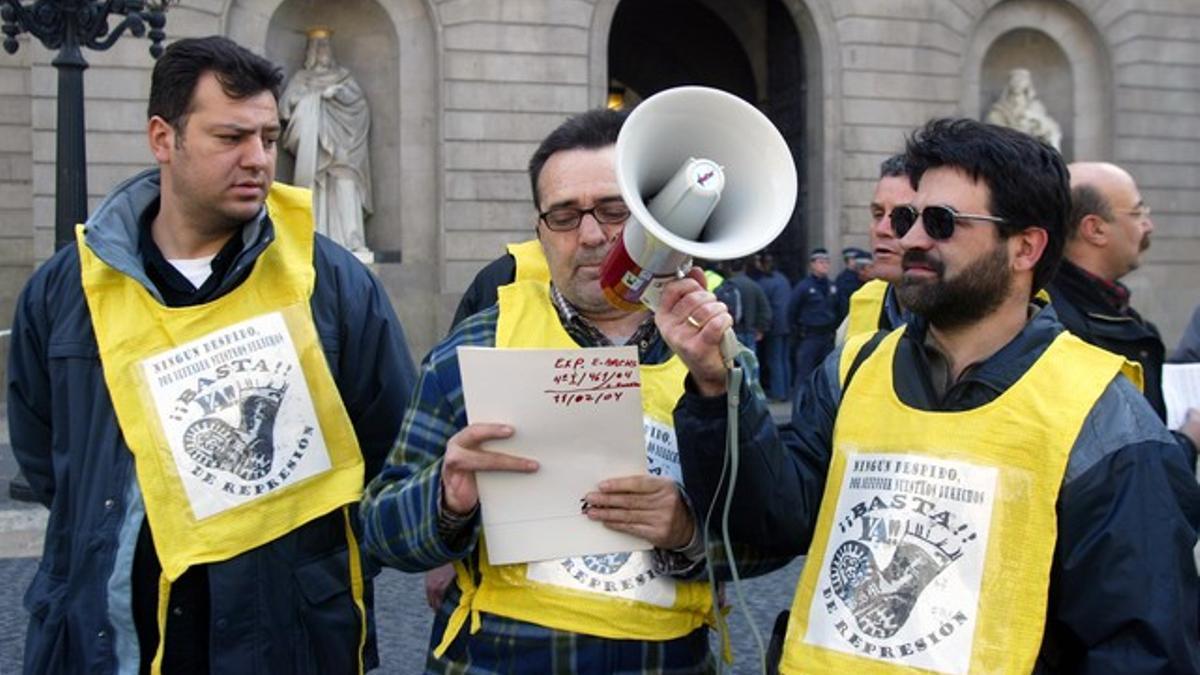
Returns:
point(713, 279)
point(866, 306)
point(236, 427)
point(936, 531)
point(615, 596)
point(531, 261)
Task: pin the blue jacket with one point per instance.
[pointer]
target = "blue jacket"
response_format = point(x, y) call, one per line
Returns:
point(844, 285)
point(1085, 311)
point(284, 607)
point(813, 307)
point(778, 291)
point(1123, 585)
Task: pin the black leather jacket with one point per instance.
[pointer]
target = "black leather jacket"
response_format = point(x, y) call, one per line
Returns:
point(1083, 309)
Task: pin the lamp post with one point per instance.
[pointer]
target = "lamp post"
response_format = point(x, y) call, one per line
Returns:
point(68, 26)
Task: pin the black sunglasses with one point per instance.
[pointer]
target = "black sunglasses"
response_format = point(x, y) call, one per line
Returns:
point(938, 220)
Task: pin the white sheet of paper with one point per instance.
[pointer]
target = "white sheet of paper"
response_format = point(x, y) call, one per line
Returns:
point(579, 414)
point(1181, 390)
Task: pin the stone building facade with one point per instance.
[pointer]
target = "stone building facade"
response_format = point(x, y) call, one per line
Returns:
point(461, 91)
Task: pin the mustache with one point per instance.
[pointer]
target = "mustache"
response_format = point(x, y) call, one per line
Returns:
point(914, 257)
point(593, 256)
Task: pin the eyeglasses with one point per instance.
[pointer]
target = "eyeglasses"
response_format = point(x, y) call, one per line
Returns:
point(566, 218)
point(938, 220)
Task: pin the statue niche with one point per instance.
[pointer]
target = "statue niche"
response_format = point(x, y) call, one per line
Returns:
point(327, 122)
point(1019, 108)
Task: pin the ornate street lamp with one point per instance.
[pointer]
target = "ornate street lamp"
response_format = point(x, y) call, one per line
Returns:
point(68, 25)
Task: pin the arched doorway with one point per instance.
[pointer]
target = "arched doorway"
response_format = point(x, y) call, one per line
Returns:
point(751, 49)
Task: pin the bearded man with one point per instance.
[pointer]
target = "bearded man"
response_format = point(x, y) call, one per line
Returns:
point(979, 490)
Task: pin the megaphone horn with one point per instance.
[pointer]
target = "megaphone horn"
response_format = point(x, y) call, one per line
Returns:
point(705, 175)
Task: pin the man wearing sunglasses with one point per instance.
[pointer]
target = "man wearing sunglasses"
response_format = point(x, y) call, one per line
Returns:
point(635, 612)
point(875, 306)
point(1107, 232)
point(978, 491)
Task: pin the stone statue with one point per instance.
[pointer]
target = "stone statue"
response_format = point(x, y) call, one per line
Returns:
point(1019, 108)
point(326, 124)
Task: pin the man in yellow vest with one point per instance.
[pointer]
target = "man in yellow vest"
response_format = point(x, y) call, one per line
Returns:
point(875, 306)
point(637, 612)
point(520, 261)
point(978, 491)
point(196, 390)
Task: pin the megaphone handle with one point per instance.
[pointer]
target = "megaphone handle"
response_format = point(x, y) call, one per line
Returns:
point(729, 348)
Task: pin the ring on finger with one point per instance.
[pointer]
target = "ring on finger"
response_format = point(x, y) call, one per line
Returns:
point(692, 320)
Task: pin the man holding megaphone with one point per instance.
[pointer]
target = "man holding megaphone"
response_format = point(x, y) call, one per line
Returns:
point(978, 491)
point(642, 611)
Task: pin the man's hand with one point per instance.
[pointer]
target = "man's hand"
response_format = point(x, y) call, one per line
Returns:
point(644, 506)
point(465, 455)
point(437, 580)
point(692, 320)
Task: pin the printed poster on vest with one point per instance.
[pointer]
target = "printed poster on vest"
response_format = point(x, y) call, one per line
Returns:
point(237, 414)
point(900, 581)
point(629, 575)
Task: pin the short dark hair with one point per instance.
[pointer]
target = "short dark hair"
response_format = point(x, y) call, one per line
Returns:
point(1027, 179)
point(893, 167)
point(590, 130)
point(241, 72)
point(1086, 200)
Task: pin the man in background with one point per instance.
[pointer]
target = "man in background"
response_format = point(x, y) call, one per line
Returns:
point(875, 306)
point(1107, 233)
point(814, 317)
point(848, 280)
point(776, 356)
point(756, 316)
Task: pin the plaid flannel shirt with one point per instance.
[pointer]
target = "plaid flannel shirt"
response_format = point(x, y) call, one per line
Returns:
point(401, 523)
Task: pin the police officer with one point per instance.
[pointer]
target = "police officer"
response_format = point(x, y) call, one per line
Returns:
point(814, 316)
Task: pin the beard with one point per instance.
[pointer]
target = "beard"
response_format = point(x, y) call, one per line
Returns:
point(949, 303)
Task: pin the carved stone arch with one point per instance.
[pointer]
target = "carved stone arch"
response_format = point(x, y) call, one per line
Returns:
point(1066, 35)
point(823, 66)
point(392, 48)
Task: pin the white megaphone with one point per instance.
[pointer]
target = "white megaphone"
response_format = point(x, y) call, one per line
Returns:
point(705, 175)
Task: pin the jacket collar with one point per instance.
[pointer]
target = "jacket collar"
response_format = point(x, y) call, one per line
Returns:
point(112, 232)
point(997, 373)
point(1110, 297)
